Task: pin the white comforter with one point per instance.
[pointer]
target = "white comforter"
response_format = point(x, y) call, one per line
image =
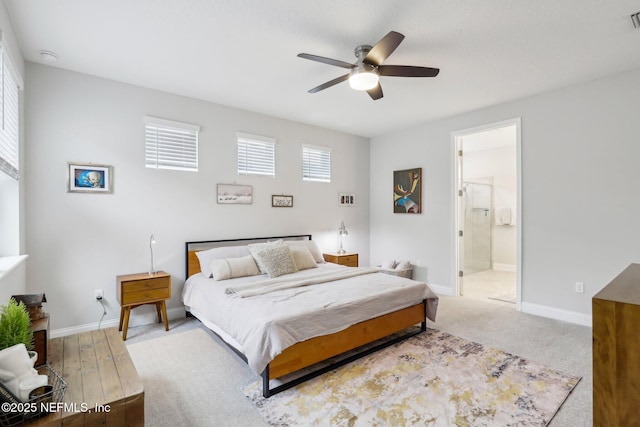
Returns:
point(265, 325)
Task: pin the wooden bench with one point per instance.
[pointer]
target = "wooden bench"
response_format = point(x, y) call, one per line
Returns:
point(103, 384)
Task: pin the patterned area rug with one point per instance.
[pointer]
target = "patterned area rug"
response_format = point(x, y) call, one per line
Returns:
point(433, 379)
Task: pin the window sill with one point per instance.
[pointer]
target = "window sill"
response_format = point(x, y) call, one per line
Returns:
point(8, 263)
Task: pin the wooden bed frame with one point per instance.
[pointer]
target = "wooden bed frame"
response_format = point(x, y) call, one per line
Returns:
point(307, 353)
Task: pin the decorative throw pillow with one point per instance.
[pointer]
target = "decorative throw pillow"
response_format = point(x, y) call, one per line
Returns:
point(277, 260)
point(206, 256)
point(230, 268)
point(310, 244)
point(404, 265)
point(302, 257)
point(390, 263)
point(256, 248)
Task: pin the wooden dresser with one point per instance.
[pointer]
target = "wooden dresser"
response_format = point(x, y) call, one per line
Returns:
point(134, 290)
point(348, 259)
point(616, 351)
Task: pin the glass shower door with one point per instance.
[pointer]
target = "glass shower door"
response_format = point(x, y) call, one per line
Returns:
point(478, 215)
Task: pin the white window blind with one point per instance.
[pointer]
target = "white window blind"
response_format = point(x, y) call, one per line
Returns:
point(316, 163)
point(256, 155)
point(9, 102)
point(171, 145)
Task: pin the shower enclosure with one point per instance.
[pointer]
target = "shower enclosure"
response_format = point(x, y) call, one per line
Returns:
point(478, 215)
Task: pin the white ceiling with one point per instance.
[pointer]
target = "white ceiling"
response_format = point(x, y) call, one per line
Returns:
point(242, 53)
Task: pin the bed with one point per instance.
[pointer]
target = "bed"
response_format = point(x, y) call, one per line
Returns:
point(285, 316)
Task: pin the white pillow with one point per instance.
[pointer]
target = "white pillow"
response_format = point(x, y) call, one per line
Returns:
point(230, 268)
point(302, 257)
point(404, 265)
point(389, 264)
point(256, 248)
point(277, 260)
point(313, 248)
point(205, 257)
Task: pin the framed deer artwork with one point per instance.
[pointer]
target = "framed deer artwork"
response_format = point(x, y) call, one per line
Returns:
point(407, 191)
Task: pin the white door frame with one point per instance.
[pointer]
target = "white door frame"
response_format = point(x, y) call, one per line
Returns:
point(456, 142)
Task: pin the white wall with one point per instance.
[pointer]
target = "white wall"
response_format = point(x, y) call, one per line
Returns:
point(80, 242)
point(579, 184)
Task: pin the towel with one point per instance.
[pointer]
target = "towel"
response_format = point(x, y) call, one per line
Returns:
point(504, 216)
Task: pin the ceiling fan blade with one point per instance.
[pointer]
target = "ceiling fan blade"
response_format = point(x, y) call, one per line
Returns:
point(324, 60)
point(329, 83)
point(407, 71)
point(383, 48)
point(376, 92)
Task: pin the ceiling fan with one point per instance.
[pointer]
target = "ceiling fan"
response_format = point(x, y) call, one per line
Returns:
point(365, 73)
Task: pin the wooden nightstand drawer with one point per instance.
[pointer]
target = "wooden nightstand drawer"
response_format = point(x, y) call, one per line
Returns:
point(146, 284)
point(144, 296)
point(349, 260)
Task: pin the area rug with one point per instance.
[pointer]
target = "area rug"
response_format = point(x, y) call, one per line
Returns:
point(434, 379)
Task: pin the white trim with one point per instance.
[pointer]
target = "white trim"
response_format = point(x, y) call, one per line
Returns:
point(253, 137)
point(135, 320)
point(316, 147)
point(505, 267)
point(8, 263)
point(149, 120)
point(442, 290)
point(557, 314)
point(454, 200)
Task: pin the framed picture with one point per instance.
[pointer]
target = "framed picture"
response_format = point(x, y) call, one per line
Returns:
point(89, 178)
point(281, 201)
point(347, 199)
point(234, 194)
point(407, 191)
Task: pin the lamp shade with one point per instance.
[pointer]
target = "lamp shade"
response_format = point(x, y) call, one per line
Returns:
point(364, 77)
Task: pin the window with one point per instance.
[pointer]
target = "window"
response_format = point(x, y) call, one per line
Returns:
point(9, 103)
point(256, 155)
point(170, 145)
point(316, 163)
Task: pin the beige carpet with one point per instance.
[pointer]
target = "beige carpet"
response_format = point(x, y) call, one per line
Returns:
point(188, 381)
point(434, 379)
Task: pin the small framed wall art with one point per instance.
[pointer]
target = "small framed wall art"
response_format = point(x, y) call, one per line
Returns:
point(347, 199)
point(281, 201)
point(89, 178)
point(407, 191)
point(235, 194)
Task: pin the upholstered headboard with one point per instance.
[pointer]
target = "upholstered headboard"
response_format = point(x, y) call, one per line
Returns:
point(192, 264)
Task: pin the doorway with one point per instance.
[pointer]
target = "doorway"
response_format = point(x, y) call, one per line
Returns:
point(488, 219)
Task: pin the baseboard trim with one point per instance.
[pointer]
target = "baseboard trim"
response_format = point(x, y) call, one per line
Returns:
point(505, 267)
point(442, 290)
point(556, 313)
point(134, 320)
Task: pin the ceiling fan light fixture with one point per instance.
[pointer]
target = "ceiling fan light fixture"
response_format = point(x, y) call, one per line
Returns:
point(364, 77)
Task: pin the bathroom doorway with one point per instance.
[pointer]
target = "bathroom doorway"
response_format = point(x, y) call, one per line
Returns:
point(487, 226)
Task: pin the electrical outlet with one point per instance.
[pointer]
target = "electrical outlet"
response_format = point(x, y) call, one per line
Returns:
point(579, 287)
point(98, 294)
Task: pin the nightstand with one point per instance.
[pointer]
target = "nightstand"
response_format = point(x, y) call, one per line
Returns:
point(134, 290)
point(348, 259)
